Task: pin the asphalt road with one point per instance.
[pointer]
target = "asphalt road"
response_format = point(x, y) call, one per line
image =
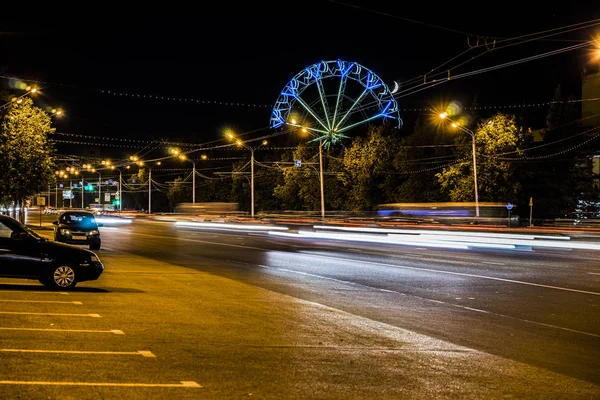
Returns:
point(191, 313)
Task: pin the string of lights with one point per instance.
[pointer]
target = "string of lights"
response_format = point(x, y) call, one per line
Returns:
point(185, 99)
point(558, 153)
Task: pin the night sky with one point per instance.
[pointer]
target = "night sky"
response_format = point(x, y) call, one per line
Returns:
point(245, 54)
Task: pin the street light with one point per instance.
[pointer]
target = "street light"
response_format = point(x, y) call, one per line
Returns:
point(444, 115)
point(141, 164)
point(112, 167)
point(239, 143)
point(183, 157)
point(310, 131)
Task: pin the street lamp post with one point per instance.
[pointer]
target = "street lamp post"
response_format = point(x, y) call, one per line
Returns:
point(308, 130)
point(474, 150)
point(321, 178)
point(244, 145)
point(120, 191)
point(149, 190)
point(184, 157)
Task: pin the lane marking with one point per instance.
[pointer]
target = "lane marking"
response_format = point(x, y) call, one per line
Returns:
point(29, 291)
point(438, 302)
point(183, 384)
point(79, 303)
point(492, 263)
point(143, 353)
point(114, 331)
point(394, 266)
point(51, 314)
point(594, 273)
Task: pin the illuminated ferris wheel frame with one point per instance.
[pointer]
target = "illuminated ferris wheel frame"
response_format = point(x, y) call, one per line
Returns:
point(330, 122)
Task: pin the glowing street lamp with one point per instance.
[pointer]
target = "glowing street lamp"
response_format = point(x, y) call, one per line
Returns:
point(310, 131)
point(456, 125)
point(184, 157)
point(240, 143)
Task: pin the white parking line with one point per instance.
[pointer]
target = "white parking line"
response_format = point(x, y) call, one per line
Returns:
point(183, 384)
point(51, 314)
point(143, 353)
point(114, 331)
point(79, 303)
point(29, 291)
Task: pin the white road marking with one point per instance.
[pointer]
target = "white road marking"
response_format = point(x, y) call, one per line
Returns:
point(79, 303)
point(492, 263)
point(51, 314)
point(594, 273)
point(28, 291)
point(183, 384)
point(437, 301)
point(143, 353)
point(396, 266)
point(114, 331)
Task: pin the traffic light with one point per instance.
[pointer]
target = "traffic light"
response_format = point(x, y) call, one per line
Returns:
point(89, 187)
point(116, 202)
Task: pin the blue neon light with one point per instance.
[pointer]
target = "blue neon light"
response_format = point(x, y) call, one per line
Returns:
point(314, 74)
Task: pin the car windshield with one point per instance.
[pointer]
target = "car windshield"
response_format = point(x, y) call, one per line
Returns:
point(16, 226)
point(79, 220)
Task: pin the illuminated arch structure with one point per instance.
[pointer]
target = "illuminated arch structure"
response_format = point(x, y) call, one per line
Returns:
point(329, 107)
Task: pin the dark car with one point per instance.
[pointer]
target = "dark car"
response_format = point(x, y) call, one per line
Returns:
point(25, 254)
point(77, 227)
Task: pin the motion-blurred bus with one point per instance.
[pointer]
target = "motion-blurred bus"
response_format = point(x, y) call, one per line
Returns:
point(449, 210)
point(210, 208)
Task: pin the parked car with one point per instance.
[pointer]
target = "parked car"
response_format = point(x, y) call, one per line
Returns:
point(25, 254)
point(77, 227)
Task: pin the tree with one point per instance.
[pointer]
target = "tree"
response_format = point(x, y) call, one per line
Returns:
point(300, 187)
point(367, 165)
point(494, 138)
point(25, 152)
point(178, 193)
point(559, 181)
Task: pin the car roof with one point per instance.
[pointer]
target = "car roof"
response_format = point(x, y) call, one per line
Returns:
point(77, 213)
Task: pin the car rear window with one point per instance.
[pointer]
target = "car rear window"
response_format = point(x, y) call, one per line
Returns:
point(83, 220)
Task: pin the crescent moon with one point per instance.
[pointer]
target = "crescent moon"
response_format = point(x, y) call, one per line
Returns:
point(396, 87)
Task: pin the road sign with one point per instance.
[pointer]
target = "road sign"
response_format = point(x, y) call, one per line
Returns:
point(509, 206)
point(41, 201)
point(297, 163)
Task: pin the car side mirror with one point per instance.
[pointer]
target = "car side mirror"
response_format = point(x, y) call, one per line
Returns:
point(19, 235)
point(54, 222)
point(100, 224)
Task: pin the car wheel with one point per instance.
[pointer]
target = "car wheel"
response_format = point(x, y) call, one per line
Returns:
point(95, 246)
point(61, 277)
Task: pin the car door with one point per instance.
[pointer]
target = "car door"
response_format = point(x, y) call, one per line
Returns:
point(19, 253)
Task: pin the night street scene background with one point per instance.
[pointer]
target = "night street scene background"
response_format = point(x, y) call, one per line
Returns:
point(318, 199)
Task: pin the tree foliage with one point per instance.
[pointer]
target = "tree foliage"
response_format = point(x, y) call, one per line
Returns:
point(367, 168)
point(179, 192)
point(25, 152)
point(496, 180)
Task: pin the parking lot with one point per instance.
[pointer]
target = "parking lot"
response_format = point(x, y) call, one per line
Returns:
point(74, 344)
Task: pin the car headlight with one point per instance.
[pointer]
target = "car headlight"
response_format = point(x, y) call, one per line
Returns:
point(64, 232)
point(94, 232)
